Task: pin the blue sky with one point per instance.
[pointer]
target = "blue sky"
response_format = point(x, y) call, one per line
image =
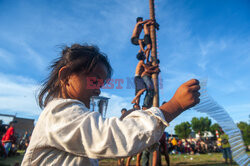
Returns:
point(205, 39)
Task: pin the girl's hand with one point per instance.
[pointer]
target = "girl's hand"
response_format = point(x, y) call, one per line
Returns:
point(187, 94)
point(185, 97)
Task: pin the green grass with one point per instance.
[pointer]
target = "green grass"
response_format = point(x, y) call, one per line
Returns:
point(11, 161)
point(214, 159)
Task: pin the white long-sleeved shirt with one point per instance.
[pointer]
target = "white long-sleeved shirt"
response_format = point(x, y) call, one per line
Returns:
point(67, 133)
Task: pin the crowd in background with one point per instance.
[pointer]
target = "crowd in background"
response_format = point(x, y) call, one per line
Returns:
point(10, 141)
point(193, 145)
point(174, 145)
point(170, 145)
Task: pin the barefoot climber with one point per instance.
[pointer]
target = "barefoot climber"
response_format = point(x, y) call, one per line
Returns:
point(145, 25)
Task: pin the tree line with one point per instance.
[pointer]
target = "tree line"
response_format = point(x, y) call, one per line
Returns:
point(204, 124)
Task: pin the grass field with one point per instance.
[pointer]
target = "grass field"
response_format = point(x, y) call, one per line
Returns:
point(214, 159)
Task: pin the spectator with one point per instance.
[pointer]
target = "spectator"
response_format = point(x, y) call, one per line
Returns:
point(2, 150)
point(226, 147)
point(174, 144)
point(192, 145)
point(163, 150)
point(23, 141)
point(8, 138)
point(180, 147)
point(170, 146)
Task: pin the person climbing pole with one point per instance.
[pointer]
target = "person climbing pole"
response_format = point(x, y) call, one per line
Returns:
point(149, 69)
point(146, 41)
point(140, 86)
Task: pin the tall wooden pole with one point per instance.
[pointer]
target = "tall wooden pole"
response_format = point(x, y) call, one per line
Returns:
point(154, 53)
point(154, 76)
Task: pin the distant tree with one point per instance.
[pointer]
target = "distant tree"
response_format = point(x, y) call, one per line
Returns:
point(200, 125)
point(1, 121)
point(245, 130)
point(183, 130)
point(215, 127)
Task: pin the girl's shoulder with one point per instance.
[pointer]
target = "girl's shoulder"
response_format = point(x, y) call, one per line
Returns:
point(64, 110)
point(59, 104)
point(61, 101)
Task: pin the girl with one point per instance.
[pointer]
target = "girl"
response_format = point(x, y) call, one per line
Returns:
point(67, 133)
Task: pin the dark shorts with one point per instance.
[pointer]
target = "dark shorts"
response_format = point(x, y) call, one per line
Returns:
point(148, 82)
point(227, 153)
point(147, 39)
point(134, 40)
point(139, 84)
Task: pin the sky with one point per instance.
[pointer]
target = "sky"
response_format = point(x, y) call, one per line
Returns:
point(208, 40)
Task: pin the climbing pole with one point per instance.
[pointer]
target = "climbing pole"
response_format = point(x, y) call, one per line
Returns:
point(154, 60)
point(154, 53)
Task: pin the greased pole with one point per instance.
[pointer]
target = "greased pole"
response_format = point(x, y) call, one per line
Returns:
point(154, 53)
point(154, 59)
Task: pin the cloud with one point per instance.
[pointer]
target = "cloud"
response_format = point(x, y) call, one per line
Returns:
point(235, 86)
point(21, 52)
point(80, 21)
point(18, 95)
point(33, 56)
point(185, 52)
point(36, 57)
point(227, 86)
point(205, 50)
point(6, 57)
point(172, 79)
point(239, 112)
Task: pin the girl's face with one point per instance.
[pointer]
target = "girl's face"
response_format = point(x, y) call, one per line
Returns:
point(78, 85)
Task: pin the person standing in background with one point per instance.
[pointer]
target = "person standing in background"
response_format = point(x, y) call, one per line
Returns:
point(8, 138)
point(226, 147)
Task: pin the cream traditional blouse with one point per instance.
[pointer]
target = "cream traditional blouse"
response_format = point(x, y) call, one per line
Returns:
point(67, 133)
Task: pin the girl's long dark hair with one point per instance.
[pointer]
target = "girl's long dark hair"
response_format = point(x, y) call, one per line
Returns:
point(77, 58)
